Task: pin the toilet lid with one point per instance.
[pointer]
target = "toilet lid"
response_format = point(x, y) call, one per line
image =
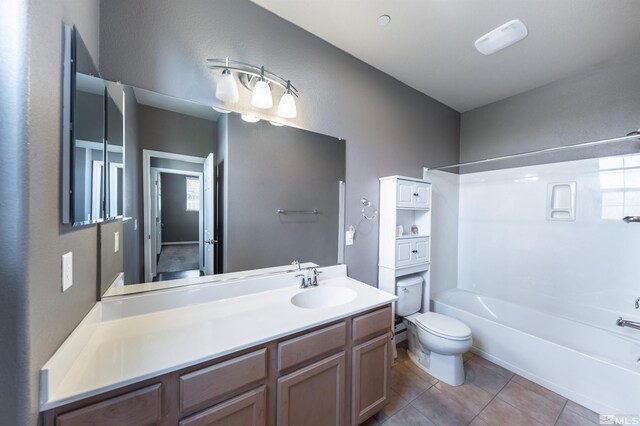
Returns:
point(443, 326)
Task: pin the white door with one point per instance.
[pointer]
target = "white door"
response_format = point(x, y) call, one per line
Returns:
point(209, 215)
point(405, 194)
point(158, 219)
point(422, 196)
point(96, 190)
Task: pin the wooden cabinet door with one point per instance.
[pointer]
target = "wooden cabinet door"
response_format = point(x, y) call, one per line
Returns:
point(421, 193)
point(314, 395)
point(405, 194)
point(370, 372)
point(248, 409)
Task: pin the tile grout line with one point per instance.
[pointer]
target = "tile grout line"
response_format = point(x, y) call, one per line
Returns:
point(564, 407)
point(494, 397)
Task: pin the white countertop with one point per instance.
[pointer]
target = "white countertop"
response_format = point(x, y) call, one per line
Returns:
point(112, 349)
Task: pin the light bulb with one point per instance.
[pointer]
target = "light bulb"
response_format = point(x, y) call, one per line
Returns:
point(287, 106)
point(261, 97)
point(227, 89)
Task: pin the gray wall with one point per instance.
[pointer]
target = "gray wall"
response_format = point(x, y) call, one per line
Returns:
point(179, 224)
point(389, 127)
point(132, 249)
point(597, 104)
point(169, 131)
point(274, 168)
point(15, 375)
point(52, 315)
point(111, 263)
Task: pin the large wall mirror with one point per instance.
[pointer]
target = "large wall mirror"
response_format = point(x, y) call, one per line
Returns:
point(84, 134)
point(200, 193)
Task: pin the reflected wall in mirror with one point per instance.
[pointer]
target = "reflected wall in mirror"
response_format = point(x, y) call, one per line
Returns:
point(84, 114)
point(208, 193)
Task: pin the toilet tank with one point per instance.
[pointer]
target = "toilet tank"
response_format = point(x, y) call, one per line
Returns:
point(409, 292)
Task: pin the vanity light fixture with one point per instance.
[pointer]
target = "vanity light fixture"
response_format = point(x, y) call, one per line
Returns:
point(259, 81)
point(221, 110)
point(261, 97)
point(287, 105)
point(502, 37)
point(275, 123)
point(227, 89)
point(249, 118)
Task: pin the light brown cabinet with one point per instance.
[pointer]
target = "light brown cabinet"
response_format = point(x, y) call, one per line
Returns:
point(314, 395)
point(335, 374)
point(370, 372)
point(248, 409)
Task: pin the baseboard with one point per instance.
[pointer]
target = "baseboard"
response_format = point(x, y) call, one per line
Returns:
point(179, 243)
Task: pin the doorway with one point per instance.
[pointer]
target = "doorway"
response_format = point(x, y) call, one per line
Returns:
point(176, 208)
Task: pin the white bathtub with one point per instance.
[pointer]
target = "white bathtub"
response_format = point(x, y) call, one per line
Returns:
point(592, 366)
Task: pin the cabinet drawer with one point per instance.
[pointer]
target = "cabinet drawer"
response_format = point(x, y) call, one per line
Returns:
point(206, 386)
point(296, 351)
point(248, 409)
point(138, 408)
point(371, 324)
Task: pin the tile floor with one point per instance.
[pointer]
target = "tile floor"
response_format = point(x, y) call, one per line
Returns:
point(490, 396)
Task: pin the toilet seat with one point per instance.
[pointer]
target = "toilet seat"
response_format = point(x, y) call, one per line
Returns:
point(443, 326)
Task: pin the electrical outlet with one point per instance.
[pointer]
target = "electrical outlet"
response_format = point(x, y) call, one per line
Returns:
point(67, 271)
point(116, 242)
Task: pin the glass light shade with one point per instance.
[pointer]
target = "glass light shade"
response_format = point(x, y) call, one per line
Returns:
point(287, 106)
point(275, 123)
point(249, 118)
point(261, 97)
point(227, 89)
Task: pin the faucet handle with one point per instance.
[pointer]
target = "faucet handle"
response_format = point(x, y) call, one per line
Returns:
point(315, 276)
point(302, 277)
point(296, 263)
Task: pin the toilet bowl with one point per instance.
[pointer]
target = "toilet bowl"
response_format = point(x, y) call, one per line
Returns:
point(436, 345)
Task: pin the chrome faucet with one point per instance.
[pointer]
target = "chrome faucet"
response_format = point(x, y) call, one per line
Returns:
point(306, 280)
point(296, 263)
point(315, 271)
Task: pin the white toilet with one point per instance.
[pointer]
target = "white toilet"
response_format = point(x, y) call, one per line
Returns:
point(436, 341)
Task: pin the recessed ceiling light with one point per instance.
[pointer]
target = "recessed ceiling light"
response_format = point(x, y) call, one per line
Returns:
point(383, 20)
point(503, 36)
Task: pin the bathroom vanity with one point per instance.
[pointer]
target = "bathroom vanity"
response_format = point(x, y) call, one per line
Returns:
point(238, 353)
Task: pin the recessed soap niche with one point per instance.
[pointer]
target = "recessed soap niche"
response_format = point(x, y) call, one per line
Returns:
point(561, 201)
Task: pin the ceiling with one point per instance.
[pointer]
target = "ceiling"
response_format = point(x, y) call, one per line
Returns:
point(428, 44)
point(169, 103)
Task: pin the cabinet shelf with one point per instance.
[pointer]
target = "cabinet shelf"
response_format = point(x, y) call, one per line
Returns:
point(408, 237)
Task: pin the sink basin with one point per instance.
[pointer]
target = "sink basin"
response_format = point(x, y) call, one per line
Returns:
point(323, 297)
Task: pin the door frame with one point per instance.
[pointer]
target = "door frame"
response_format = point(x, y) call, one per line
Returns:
point(147, 154)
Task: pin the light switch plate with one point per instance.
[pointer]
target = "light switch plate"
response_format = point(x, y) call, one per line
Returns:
point(67, 271)
point(116, 242)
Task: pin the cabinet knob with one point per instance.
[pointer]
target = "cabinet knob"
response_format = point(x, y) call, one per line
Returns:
point(414, 251)
point(415, 194)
